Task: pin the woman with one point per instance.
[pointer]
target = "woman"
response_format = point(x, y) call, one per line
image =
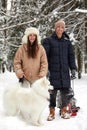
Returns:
point(30, 61)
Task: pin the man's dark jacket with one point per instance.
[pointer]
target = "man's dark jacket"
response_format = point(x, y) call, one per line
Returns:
point(60, 60)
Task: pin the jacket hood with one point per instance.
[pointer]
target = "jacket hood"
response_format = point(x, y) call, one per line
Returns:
point(29, 31)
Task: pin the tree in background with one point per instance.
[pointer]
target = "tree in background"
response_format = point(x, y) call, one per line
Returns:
point(43, 14)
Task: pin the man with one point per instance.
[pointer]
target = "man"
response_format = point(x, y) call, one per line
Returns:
point(61, 60)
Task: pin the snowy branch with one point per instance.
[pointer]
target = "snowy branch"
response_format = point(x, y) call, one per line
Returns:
point(2, 29)
point(80, 10)
point(6, 14)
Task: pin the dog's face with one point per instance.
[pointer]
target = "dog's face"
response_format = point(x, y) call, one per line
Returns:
point(46, 86)
point(42, 86)
point(46, 83)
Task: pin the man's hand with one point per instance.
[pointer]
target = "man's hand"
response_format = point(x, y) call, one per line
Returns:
point(73, 74)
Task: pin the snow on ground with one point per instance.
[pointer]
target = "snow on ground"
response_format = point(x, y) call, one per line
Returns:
point(75, 123)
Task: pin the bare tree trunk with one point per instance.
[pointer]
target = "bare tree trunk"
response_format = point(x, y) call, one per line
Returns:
point(4, 9)
point(85, 39)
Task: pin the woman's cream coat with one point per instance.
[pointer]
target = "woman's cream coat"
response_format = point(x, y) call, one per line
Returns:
point(31, 68)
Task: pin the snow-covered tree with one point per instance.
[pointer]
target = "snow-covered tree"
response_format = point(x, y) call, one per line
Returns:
point(42, 14)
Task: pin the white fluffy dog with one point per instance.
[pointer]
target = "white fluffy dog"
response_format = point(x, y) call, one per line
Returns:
point(31, 101)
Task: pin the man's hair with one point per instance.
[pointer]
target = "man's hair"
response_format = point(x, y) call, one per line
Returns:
point(59, 21)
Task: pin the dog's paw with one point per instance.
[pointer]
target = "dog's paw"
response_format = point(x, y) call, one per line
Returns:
point(37, 124)
point(41, 123)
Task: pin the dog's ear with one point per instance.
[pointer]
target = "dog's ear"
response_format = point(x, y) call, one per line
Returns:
point(47, 82)
point(44, 81)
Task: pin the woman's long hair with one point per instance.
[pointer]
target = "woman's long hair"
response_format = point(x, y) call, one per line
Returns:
point(32, 49)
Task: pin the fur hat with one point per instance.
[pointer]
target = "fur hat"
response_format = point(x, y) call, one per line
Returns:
point(29, 31)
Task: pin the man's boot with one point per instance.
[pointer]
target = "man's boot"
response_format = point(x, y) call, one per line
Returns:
point(51, 114)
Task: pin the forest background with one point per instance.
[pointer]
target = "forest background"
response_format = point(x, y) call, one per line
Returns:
point(17, 15)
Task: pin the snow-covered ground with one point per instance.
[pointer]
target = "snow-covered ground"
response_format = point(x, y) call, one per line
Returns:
point(75, 123)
